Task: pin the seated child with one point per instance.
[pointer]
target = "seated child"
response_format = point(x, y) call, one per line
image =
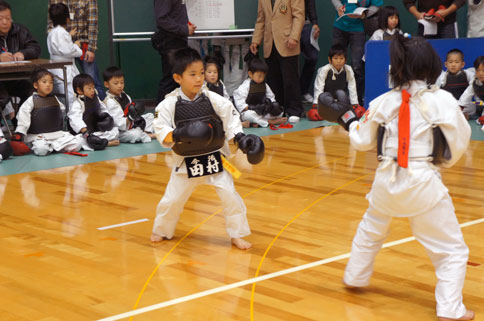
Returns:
point(198, 124)
point(5, 148)
point(455, 80)
point(133, 125)
point(40, 121)
point(255, 100)
point(212, 76)
point(472, 99)
point(337, 76)
point(89, 116)
point(389, 22)
point(61, 47)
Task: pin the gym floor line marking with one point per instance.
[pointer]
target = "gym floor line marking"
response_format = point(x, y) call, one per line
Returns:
point(256, 279)
point(208, 218)
point(122, 224)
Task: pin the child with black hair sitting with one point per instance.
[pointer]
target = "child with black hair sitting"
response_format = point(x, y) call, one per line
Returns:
point(456, 79)
point(254, 98)
point(472, 100)
point(40, 124)
point(89, 116)
point(212, 76)
point(133, 124)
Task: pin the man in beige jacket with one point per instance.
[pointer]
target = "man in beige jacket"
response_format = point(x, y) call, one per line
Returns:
point(279, 23)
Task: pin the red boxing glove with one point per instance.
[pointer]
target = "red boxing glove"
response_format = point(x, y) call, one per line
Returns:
point(481, 120)
point(314, 115)
point(18, 145)
point(359, 110)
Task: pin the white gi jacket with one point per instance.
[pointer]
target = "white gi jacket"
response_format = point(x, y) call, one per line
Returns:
point(221, 83)
point(442, 80)
point(116, 111)
point(61, 47)
point(378, 34)
point(414, 190)
point(241, 93)
point(466, 99)
point(164, 121)
point(320, 82)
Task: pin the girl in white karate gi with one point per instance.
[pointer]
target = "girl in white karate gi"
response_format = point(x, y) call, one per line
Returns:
point(407, 183)
point(61, 47)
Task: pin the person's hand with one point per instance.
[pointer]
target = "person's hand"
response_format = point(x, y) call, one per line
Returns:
point(419, 15)
point(291, 43)
point(73, 32)
point(341, 10)
point(191, 28)
point(89, 56)
point(6, 56)
point(18, 56)
point(78, 43)
point(254, 48)
point(316, 31)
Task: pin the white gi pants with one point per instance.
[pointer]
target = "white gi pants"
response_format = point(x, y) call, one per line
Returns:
point(438, 231)
point(255, 118)
point(42, 146)
point(179, 189)
point(135, 135)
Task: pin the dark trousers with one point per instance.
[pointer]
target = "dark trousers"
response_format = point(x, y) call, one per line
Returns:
point(310, 55)
point(167, 49)
point(356, 40)
point(284, 81)
point(444, 30)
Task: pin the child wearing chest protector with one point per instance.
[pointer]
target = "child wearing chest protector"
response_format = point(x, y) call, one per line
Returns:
point(197, 124)
point(415, 128)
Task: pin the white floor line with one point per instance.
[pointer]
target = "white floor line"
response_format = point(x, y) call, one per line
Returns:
point(257, 279)
point(122, 224)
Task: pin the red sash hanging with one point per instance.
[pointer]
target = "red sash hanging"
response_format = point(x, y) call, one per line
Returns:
point(404, 130)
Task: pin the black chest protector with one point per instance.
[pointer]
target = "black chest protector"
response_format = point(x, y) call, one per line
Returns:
point(339, 83)
point(387, 36)
point(199, 109)
point(123, 100)
point(92, 109)
point(46, 116)
point(478, 90)
point(216, 88)
point(257, 93)
point(456, 84)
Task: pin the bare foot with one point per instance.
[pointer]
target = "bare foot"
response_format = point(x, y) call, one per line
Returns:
point(246, 124)
point(241, 243)
point(155, 238)
point(152, 135)
point(468, 316)
point(113, 142)
point(277, 121)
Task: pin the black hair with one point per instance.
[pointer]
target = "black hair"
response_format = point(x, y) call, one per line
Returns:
point(455, 51)
point(413, 59)
point(39, 73)
point(212, 60)
point(256, 64)
point(112, 72)
point(4, 5)
point(80, 81)
point(183, 58)
point(59, 13)
point(336, 50)
point(384, 13)
point(478, 62)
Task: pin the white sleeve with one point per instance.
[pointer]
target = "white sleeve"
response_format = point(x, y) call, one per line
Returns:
point(269, 94)
point(75, 116)
point(440, 82)
point(470, 73)
point(226, 94)
point(225, 110)
point(240, 95)
point(377, 35)
point(62, 45)
point(465, 100)
point(24, 116)
point(320, 82)
point(163, 122)
point(114, 109)
point(350, 77)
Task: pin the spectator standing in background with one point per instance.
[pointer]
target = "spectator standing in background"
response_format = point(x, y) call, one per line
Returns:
point(309, 52)
point(475, 21)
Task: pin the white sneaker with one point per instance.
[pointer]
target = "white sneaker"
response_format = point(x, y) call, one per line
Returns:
point(307, 98)
point(293, 119)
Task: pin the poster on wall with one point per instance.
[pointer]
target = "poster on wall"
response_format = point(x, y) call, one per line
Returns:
point(211, 14)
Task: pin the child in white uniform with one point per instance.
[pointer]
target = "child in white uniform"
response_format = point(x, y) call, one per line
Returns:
point(212, 76)
point(133, 125)
point(61, 47)
point(407, 183)
point(472, 99)
point(195, 142)
point(456, 79)
point(40, 122)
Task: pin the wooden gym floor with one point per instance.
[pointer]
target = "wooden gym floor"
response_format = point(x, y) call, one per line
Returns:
point(62, 258)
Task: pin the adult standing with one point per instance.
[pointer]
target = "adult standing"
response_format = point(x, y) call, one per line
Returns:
point(309, 52)
point(279, 23)
point(173, 31)
point(16, 44)
point(443, 14)
point(84, 20)
point(349, 31)
point(475, 23)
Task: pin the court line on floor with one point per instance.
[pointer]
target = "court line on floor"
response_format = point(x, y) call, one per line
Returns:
point(256, 279)
point(212, 215)
point(122, 224)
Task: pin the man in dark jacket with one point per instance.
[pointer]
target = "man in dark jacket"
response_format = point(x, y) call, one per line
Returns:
point(16, 44)
point(173, 31)
point(442, 12)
